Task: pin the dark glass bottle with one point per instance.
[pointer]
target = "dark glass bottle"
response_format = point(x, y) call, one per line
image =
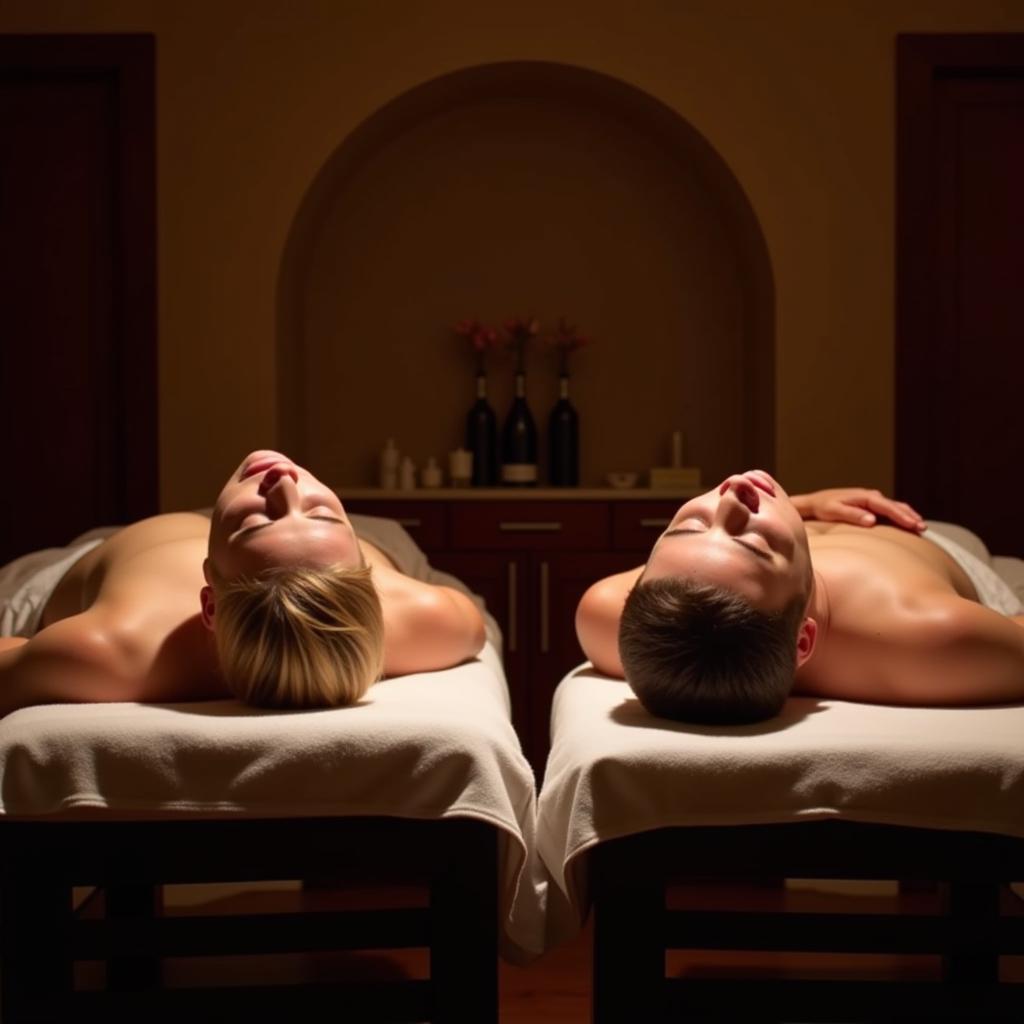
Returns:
point(519, 441)
point(564, 440)
point(482, 437)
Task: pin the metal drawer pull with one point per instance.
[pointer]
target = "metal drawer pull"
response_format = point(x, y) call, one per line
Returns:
point(512, 617)
point(409, 524)
point(530, 527)
point(545, 629)
point(655, 523)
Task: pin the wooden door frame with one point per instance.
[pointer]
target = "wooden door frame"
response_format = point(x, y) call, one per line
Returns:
point(921, 62)
point(128, 61)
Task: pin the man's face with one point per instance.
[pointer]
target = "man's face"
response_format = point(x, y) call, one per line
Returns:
point(273, 513)
point(745, 536)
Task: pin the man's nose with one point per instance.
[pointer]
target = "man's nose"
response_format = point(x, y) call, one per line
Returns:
point(735, 507)
point(743, 491)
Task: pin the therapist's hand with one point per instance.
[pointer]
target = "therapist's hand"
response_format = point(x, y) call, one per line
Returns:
point(858, 506)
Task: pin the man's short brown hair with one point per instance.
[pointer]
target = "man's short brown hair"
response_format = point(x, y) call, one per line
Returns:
point(699, 653)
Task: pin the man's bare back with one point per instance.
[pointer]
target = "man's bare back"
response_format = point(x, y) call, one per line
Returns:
point(875, 586)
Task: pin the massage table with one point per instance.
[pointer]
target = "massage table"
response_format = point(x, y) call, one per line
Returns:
point(422, 782)
point(633, 805)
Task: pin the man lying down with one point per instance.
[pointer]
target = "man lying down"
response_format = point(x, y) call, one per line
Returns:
point(741, 602)
point(274, 599)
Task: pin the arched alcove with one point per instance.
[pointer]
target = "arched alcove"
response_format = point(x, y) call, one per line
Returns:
point(526, 188)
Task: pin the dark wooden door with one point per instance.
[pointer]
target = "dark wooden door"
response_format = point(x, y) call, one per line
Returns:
point(77, 286)
point(960, 286)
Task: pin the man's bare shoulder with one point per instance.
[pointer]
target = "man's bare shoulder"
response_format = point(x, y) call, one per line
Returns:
point(857, 557)
point(886, 599)
point(597, 619)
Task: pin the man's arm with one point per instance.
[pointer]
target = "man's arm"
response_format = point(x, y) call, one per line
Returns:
point(427, 627)
point(597, 620)
point(858, 506)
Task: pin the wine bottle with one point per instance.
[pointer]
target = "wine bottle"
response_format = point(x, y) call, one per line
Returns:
point(482, 437)
point(564, 440)
point(519, 441)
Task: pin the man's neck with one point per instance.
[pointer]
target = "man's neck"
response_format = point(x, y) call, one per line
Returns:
point(819, 607)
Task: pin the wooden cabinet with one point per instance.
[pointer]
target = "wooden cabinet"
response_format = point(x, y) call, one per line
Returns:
point(530, 558)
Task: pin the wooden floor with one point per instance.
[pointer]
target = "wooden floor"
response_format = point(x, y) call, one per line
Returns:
point(555, 989)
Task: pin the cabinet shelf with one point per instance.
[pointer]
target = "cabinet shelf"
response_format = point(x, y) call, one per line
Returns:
point(449, 494)
point(531, 558)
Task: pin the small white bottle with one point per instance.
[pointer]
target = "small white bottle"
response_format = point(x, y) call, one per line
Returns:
point(677, 449)
point(407, 475)
point(460, 467)
point(389, 466)
point(430, 475)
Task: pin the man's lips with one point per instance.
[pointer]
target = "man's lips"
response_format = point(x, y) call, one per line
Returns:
point(759, 478)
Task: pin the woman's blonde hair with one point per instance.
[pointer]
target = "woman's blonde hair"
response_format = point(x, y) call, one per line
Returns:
point(300, 637)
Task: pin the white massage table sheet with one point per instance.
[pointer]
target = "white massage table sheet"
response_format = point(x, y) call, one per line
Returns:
point(431, 745)
point(615, 770)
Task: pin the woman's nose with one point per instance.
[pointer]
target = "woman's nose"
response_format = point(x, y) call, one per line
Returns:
point(279, 487)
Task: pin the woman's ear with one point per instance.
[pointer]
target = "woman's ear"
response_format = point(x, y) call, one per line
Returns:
point(206, 597)
point(806, 638)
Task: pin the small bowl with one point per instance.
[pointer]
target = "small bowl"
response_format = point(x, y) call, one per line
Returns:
point(622, 481)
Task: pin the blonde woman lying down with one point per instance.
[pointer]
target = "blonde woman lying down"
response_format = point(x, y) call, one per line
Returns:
point(274, 599)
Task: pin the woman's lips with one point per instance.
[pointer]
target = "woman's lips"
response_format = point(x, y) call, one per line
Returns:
point(262, 461)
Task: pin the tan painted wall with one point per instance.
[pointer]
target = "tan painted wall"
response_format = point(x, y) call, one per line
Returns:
point(253, 96)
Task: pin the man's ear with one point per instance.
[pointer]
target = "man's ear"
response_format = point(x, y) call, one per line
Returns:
point(206, 597)
point(806, 637)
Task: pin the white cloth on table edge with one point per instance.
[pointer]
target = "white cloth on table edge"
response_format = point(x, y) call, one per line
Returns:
point(424, 746)
point(614, 770)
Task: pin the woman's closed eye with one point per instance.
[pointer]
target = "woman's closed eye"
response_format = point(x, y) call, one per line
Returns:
point(325, 513)
point(253, 519)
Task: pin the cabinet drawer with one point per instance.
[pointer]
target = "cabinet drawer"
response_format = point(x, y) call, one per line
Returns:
point(637, 524)
point(425, 520)
point(533, 526)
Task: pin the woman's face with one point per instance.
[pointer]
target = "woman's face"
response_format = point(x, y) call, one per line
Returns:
point(272, 512)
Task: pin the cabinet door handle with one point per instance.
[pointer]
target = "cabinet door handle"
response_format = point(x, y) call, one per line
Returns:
point(409, 524)
point(655, 523)
point(530, 527)
point(513, 623)
point(545, 629)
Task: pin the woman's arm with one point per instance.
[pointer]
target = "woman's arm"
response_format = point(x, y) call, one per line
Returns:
point(428, 627)
point(73, 660)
